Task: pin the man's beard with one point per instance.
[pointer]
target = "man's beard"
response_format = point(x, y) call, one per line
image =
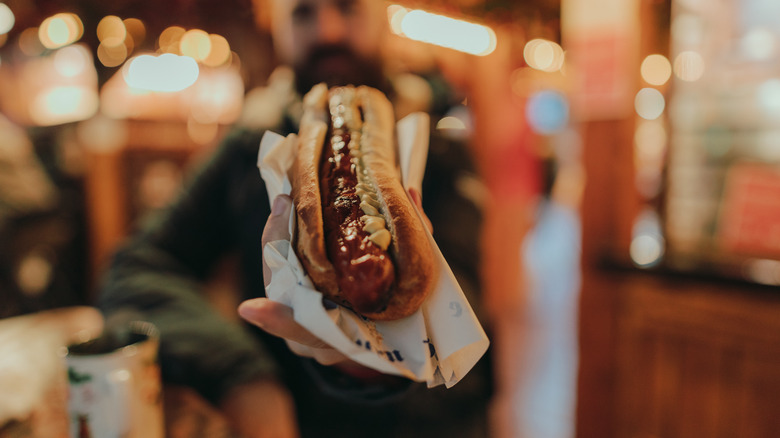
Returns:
point(338, 65)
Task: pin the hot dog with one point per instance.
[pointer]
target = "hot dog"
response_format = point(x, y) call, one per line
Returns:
point(357, 234)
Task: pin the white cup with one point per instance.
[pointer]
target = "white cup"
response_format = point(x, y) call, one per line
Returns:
point(115, 386)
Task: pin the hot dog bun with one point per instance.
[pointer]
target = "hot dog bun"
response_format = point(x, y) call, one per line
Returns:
point(363, 118)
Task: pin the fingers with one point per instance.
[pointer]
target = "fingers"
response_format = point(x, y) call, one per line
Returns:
point(325, 356)
point(277, 319)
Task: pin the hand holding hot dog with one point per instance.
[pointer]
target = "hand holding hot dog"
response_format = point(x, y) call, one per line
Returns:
point(276, 318)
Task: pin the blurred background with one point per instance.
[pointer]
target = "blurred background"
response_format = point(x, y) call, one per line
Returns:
point(629, 158)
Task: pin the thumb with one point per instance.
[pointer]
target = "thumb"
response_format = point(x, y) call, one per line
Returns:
point(277, 226)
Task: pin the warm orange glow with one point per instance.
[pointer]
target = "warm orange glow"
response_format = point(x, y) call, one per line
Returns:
point(656, 69)
point(170, 39)
point(118, 38)
point(443, 31)
point(112, 28)
point(29, 43)
point(72, 61)
point(220, 53)
point(196, 44)
point(395, 15)
point(112, 52)
point(202, 133)
point(544, 55)
point(56, 105)
point(102, 134)
point(135, 30)
point(55, 87)
point(154, 89)
point(60, 30)
point(650, 139)
point(217, 96)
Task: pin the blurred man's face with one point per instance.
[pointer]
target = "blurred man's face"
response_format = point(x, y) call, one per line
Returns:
point(335, 41)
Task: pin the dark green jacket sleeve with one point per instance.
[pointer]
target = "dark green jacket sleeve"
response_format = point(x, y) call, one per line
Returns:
point(159, 274)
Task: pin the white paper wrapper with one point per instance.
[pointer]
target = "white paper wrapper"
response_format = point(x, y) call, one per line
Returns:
point(438, 344)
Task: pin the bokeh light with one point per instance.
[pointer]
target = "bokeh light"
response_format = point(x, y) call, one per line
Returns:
point(111, 27)
point(689, 66)
point(656, 69)
point(543, 55)
point(758, 44)
point(72, 60)
point(647, 249)
point(768, 97)
point(220, 53)
point(170, 39)
point(196, 44)
point(29, 43)
point(395, 15)
point(7, 19)
point(649, 103)
point(217, 96)
point(112, 52)
point(115, 42)
point(648, 245)
point(208, 49)
point(450, 122)
point(764, 271)
point(165, 73)
point(547, 111)
point(135, 30)
point(34, 271)
point(60, 30)
point(443, 31)
point(57, 105)
point(650, 139)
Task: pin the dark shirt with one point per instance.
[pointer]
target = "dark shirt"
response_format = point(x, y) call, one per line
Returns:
point(159, 274)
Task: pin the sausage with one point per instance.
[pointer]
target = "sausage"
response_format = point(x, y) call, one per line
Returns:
point(357, 234)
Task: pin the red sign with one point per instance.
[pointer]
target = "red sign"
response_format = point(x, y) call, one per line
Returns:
point(603, 73)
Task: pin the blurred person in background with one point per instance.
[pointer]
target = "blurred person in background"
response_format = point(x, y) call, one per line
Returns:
point(251, 376)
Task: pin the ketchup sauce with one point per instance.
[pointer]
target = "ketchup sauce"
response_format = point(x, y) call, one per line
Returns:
point(365, 270)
